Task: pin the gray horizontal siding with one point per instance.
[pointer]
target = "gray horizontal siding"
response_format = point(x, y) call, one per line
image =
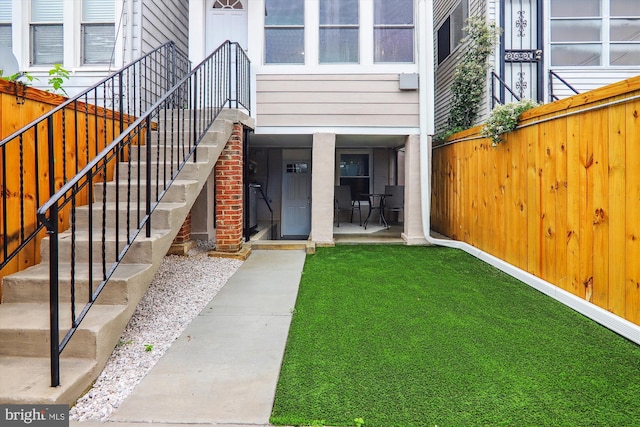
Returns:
point(335, 100)
point(166, 20)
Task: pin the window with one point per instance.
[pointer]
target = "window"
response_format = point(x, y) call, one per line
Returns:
point(227, 4)
point(598, 33)
point(46, 32)
point(339, 31)
point(354, 172)
point(5, 23)
point(393, 31)
point(451, 32)
point(284, 31)
point(98, 31)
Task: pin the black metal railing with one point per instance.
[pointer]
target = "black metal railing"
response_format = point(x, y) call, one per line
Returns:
point(499, 85)
point(144, 160)
point(44, 155)
point(552, 93)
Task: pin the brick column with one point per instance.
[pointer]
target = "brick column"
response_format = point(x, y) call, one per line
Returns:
point(229, 189)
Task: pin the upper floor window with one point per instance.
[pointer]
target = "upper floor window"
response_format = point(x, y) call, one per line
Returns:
point(393, 31)
point(451, 31)
point(98, 31)
point(598, 33)
point(46, 32)
point(5, 23)
point(284, 31)
point(339, 29)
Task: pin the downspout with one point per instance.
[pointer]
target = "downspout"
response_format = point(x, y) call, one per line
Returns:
point(426, 72)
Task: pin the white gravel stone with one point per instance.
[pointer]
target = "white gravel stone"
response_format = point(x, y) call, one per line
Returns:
point(181, 288)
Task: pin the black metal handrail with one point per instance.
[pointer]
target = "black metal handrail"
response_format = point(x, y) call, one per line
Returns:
point(79, 128)
point(502, 85)
point(552, 95)
point(175, 124)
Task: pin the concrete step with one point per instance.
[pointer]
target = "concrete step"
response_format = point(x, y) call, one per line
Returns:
point(32, 285)
point(169, 152)
point(132, 213)
point(27, 380)
point(164, 172)
point(141, 250)
point(181, 190)
point(24, 329)
point(283, 245)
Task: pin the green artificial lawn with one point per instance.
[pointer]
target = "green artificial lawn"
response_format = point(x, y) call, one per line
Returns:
point(425, 336)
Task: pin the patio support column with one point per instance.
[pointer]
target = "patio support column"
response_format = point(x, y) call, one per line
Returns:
point(322, 183)
point(412, 233)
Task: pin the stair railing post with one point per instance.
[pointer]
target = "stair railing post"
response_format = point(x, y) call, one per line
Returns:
point(194, 112)
point(52, 231)
point(148, 174)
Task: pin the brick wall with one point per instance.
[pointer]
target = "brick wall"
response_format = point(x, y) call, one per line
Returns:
point(184, 235)
point(229, 189)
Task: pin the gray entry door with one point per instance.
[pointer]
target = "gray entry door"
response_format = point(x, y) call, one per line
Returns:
point(296, 194)
point(522, 54)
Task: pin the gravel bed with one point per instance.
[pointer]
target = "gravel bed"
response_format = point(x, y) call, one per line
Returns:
point(181, 288)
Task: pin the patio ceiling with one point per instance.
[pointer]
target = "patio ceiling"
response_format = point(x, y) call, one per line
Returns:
point(342, 141)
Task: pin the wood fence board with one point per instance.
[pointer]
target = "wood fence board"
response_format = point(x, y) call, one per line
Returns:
point(617, 209)
point(511, 185)
point(598, 128)
point(548, 185)
point(559, 132)
point(632, 191)
point(586, 206)
point(534, 209)
point(499, 189)
point(573, 236)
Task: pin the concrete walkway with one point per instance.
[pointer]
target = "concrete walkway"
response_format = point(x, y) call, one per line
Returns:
point(223, 369)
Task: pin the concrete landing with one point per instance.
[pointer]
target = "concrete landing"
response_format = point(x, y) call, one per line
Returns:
point(224, 368)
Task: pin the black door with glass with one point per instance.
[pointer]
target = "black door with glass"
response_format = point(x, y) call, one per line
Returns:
point(521, 67)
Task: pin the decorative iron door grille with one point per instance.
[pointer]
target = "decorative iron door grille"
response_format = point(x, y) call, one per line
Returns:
point(521, 56)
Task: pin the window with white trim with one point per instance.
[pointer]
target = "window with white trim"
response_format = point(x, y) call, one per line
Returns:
point(46, 32)
point(284, 31)
point(98, 31)
point(598, 33)
point(393, 31)
point(5, 23)
point(339, 31)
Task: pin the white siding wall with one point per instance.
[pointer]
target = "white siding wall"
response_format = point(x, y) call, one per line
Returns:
point(584, 80)
point(371, 100)
point(165, 20)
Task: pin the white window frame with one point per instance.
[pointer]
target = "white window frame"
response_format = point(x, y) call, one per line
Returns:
point(398, 26)
point(31, 37)
point(83, 25)
point(8, 23)
point(303, 27)
point(340, 26)
point(312, 40)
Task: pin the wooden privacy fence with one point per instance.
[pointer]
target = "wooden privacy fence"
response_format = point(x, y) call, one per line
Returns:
point(79, 132)
point(559, 198)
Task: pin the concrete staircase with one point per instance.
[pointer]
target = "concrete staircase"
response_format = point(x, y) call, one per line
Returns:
point(24, 312)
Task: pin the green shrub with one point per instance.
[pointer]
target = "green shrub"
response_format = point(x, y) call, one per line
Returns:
point(504, 118)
